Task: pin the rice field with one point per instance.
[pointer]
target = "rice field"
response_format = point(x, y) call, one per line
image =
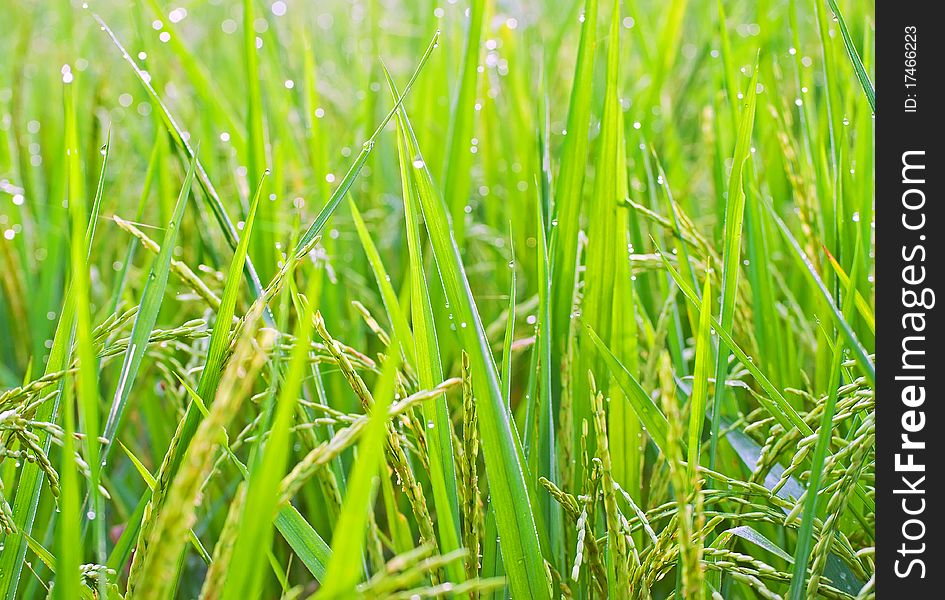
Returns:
point(448, 298)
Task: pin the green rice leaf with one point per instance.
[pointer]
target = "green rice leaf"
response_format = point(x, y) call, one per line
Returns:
point(854, 56)
point(649, 414)
point(700, 382)
point(311, 549)
point(443, 477)
point(151, 300)
point(347, 545)
point(70, 549)
point(732, 245)
point(516, 524)
point(567, 208)
point(456, 177)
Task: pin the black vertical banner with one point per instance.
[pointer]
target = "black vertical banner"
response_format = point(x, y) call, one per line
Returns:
point(910, 264)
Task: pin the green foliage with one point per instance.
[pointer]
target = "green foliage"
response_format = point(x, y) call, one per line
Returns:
point(581, 306)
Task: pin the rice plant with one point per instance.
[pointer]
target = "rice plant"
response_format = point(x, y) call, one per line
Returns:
point(389, 299)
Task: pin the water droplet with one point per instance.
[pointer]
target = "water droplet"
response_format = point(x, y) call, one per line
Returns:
point(418, 162)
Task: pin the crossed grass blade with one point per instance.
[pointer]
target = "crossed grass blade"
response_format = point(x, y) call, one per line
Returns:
point(501, 447)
